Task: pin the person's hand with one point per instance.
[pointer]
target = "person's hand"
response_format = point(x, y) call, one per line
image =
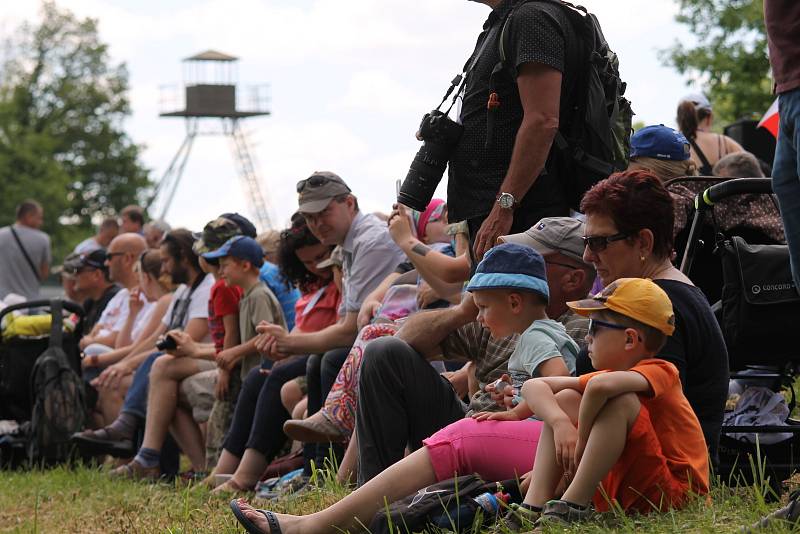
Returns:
point(278, 333)
point(226, 360)
point(223, 383)
point(186, 346)
point(460, 381)
point(508, 415)
point(499, 397)
point(400, 224)
point(367, 312)
point(85, 341)
point(135, 303)
point(112, 375)
point(426, 295)
point(496, 224)
point(565, 438)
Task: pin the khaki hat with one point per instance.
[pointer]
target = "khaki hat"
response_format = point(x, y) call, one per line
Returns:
point(317, 191)
point(335, 259)
point(552, 234)
point(637, 298)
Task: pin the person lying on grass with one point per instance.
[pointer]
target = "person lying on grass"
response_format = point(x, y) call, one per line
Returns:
point(627, 427)
point(511, 292)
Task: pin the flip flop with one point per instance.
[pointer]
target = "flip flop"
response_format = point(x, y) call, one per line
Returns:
point(249, 526)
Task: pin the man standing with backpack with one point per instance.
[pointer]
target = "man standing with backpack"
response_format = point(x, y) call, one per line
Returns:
point(527, 79)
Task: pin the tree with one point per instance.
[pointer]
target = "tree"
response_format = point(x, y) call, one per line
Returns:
point(62, 141)
point(730, 56)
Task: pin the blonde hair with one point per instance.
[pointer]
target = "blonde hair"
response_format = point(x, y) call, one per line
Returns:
point(664, 169)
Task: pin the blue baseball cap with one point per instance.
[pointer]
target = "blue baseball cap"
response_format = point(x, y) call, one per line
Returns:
point(511, 266)
point(659, 142)
point(240, 247)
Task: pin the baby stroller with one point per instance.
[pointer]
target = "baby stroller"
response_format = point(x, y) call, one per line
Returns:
point(758, 309)
point(25, 338)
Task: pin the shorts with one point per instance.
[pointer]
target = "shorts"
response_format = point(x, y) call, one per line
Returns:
point(641, 479)
point(495, 450)
point(197, 391)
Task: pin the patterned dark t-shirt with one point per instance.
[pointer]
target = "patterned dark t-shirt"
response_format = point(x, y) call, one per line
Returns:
point(539, 33)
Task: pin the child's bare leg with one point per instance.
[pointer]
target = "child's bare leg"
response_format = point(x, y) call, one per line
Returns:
point(347, 469)
point(606, 442)
point(395, 482)
point(547, 474)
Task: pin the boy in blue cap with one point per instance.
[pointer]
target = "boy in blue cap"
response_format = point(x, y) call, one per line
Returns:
point(240, 260)
point(510, 290)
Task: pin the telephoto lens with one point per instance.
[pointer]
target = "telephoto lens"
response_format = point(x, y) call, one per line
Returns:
point(440, 135)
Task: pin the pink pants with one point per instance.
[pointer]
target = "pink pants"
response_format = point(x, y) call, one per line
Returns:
point(496, 450)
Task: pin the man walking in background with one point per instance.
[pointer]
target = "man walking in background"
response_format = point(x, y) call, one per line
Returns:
point(25, 260)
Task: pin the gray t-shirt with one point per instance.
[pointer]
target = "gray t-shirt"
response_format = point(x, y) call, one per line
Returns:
point(369, 256)
point(16, 275)
point(544, 339)
point(258, 304)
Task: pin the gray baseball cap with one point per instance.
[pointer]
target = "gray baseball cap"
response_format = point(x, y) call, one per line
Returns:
point(699, 100)
point(317, 191)
point(553, 234)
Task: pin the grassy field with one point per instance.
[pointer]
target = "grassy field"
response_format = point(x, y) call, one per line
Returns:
point(84, 500)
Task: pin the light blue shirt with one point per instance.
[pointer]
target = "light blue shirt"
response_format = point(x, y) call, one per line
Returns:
point(542, 340)
point(287, 295)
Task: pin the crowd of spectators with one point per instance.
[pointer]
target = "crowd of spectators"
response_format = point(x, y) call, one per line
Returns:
point(509, 338)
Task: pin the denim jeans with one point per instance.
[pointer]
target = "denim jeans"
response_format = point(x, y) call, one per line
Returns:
point(136, 397)
point(786, 175)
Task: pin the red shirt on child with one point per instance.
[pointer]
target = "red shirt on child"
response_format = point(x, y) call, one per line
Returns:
point(223, 300)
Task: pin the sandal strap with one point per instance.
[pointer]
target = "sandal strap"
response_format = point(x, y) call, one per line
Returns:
point(274, 525)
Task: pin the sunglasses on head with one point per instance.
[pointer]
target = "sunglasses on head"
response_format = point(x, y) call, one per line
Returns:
point(312, 181)
point(598, 243)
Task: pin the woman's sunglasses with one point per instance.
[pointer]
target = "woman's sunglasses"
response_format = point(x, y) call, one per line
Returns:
point(312, 181)
point(598, 243)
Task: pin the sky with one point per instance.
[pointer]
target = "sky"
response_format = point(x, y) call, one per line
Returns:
point(348, 83)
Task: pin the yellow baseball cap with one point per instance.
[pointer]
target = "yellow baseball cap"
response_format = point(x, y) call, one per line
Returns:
point(637, 298)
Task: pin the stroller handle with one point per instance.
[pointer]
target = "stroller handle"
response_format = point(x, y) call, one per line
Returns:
point(729, 188)
point(43, 303)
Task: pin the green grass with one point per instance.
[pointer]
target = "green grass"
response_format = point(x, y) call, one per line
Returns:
point(85, 500)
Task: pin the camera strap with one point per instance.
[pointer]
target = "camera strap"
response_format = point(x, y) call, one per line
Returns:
point(460, 79)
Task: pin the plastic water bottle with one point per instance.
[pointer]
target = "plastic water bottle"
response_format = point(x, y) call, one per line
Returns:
point(463, 515)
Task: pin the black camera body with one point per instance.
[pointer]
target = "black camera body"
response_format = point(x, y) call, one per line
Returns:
point(168, 343)
point(440, 135)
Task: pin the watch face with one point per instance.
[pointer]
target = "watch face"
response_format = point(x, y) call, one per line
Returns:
point(506, 201)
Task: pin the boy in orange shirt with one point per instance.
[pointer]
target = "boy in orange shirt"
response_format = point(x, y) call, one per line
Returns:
point(627, 427)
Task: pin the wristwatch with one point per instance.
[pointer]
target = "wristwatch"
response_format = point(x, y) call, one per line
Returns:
point(507, 201)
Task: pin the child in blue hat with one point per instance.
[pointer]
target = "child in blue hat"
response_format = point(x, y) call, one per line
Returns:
point(510, 290)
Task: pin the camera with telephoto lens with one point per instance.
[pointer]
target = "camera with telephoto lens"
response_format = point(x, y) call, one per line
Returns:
point(440, 135)
point(168, 343)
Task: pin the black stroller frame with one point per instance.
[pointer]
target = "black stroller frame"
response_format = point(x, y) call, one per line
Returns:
point(782, 458)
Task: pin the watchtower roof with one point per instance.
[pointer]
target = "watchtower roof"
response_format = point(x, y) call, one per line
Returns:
point(211, 55)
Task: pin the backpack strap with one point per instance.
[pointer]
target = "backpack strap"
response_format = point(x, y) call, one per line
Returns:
point(25, 253)
point(706, 169)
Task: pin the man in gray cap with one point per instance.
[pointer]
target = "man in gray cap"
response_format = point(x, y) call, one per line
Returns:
point(401, 398)
point(368, 255)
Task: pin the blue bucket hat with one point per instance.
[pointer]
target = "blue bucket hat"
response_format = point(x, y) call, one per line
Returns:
point(659, 142)
point(511, 266)
point(240, 247)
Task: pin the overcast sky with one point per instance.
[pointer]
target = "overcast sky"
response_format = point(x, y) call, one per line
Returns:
point(349, 81)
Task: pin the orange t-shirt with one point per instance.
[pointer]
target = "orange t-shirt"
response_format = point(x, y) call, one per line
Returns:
point(676, 429)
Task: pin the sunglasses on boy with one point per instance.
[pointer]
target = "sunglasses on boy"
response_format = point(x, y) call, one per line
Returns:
point(598, 243)
point(312, 181)
point(595, 325)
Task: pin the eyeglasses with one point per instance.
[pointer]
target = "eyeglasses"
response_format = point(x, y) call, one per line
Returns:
point(595, 325)
point(312, 181)
point(110, 255)
point(598, 243)
point(548, 262)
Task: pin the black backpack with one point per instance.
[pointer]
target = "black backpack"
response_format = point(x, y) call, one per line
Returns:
point(57, 397)
point(597, 139)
